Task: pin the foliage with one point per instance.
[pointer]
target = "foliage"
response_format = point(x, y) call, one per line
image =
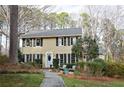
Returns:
point(70, 65)
point(87, 46)
point(81, 65)
point(77, 48)
point(99, 67)
point(114, 69)
point(86, 20)
point(18, 68)
point(20, 57)
point(63, 19)
point(36, 63)
point(90, 47)
point(95, 68)
point(76, 72)
point(56, 63)
point(98, 60)
point(3, 59)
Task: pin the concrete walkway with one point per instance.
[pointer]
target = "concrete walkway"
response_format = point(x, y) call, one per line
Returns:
point(52, 80)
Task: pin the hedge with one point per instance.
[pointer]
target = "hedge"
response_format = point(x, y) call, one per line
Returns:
point(114, 69)
point(100, 68)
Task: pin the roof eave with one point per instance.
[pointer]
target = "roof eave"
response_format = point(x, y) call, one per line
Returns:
point(50, 36)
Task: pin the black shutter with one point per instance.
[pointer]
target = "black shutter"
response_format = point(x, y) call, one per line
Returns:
point(65, 58)
point(41, 42)
point(64, 41)
point(57, 56)
point(41, 58)
point(68, 58)
point(56, 41)
point(61, 59)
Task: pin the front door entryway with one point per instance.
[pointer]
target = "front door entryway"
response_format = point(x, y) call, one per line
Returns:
point(49, 59)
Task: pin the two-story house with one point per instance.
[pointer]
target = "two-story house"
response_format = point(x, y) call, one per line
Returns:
point(50, 44)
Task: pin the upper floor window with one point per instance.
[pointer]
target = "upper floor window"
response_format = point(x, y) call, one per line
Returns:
point(38, 42)
point(33, 42)
point(28, 42)
point(65, 41)
point(59, 41)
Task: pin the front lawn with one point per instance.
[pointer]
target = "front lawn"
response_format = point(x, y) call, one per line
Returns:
point(21, 80)
point(71, 82)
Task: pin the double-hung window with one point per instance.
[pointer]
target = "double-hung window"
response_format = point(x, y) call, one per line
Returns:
point(59, 41)
point(39, 42)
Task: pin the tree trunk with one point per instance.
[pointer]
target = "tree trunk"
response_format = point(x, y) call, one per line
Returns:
point(13, 33)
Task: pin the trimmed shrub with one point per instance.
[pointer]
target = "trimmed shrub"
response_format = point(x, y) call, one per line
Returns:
point(114, 69)
point(38, 63)
point(100, 68)
point(80, 66)
point(76, 72)
point(28, 64)
point(99, 60)
point(18, 68)
point(95, 68)
point(3, 59)
point(20, 57)
point(70, 65)
point(56, 63)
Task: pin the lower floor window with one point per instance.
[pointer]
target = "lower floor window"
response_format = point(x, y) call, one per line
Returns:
point(32, 57)
point(27, 56)
point(66, 58)
point(61, 59)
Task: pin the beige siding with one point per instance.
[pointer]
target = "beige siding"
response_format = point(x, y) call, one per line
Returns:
point(49, 45)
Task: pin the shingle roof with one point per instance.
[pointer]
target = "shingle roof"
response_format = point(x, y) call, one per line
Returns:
point(54, 33)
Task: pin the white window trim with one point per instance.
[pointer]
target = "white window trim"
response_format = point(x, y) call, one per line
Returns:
point(59, 41)
point(74, 40)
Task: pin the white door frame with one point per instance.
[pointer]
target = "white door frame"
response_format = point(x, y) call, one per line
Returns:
point(47, 64)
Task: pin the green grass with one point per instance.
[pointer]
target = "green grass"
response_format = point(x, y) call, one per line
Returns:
point(69, 82)
point(21, 80)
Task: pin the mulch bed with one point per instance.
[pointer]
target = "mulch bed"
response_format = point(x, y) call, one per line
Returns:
point(82, 77)
point(18, 68)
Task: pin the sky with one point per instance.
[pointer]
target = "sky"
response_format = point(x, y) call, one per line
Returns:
point(69, 8)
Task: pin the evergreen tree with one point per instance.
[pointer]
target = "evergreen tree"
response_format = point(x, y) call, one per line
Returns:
point(77, 48)
point(90, 48)
point(86, 46)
